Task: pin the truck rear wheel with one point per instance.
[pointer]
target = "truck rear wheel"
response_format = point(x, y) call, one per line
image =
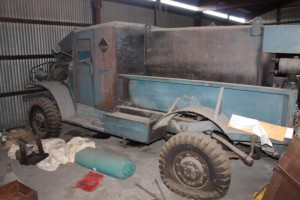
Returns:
point(194, 165)
point(44, 118)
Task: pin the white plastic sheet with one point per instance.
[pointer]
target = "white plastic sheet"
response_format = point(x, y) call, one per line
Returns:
point(243, 123)
point(59, 151)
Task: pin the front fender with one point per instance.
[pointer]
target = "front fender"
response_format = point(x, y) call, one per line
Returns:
point(62, 96)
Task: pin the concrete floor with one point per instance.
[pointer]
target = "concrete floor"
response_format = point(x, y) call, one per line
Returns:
point(58, 184)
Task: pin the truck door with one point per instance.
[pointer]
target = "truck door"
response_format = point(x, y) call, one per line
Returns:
point(83, 68)
point(105, 76)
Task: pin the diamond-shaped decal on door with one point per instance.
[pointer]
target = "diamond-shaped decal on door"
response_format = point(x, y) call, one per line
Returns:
point(103, 45)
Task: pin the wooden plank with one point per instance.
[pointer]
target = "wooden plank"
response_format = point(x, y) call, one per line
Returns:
point(274, 132)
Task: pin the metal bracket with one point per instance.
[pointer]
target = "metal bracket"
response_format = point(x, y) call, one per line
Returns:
point(245, 158)
point(124, 142)
point(219, 104)
point(148, 31)
point(156, 125)
point(147, 38)
point(91, 69)
point(173, 105)
point(252, 147)
point(256, 27)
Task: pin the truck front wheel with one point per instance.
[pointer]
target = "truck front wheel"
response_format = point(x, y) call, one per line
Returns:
point(44, 118)
point(194, 165)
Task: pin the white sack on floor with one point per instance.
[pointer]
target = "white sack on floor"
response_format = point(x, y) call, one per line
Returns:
point(59, 151)
point(12, 151)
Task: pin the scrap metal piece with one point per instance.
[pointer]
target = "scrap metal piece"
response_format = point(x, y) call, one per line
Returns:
point(147, 191)
point(33, 158)
point(160, 190)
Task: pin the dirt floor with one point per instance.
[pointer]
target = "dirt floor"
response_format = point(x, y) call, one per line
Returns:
point(58, 184)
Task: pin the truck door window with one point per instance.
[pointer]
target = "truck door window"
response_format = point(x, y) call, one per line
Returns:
point(84, 50)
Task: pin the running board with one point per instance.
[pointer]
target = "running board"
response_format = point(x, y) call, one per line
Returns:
point(86, 122)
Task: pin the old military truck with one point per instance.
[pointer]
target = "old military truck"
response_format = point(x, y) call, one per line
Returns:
point(145, 83)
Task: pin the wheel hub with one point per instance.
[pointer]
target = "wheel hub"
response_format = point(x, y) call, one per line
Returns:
point(191, 169)
point(39, 121)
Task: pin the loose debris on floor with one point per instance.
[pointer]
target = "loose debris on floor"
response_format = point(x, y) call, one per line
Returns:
point(89, 182)
point(152, 194)
point(60, 151)
point(49, 154)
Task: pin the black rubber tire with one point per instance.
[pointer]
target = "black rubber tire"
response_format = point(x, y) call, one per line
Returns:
point(213, 158)
point(47, 113)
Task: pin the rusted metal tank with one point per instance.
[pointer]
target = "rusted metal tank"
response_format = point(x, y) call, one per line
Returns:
point(224, 54)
